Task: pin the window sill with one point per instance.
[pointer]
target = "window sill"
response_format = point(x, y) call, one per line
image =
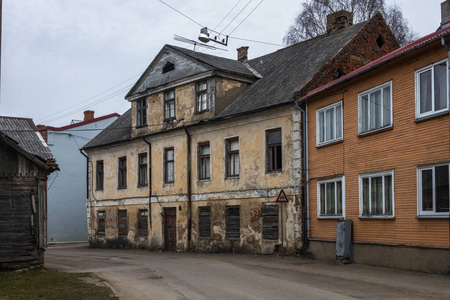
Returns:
point(232, 177)
point(376, 217)
point(274, 171)
point(141, 126)
point(375, 131)
point(142, 185)
point(334, 142)
point(122, 188)
point(99, 190)
point(200, 112)
point(204, 179)
point(431, 116)
point(331, 218)
point(432, 217)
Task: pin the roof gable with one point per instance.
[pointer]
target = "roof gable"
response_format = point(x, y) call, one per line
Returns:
point(186, 63)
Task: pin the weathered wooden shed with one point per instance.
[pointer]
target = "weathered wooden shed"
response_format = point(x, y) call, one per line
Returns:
point(25, 163)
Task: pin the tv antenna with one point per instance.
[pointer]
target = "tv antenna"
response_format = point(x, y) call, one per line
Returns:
point(195, 43)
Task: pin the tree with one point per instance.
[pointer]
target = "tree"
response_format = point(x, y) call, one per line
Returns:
point(312, 18)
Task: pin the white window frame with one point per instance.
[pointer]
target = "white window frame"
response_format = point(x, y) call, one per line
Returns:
point(360, 112)
point(417, 89)
point(318, 125)
point(334, 179)
point(419, 191)
point(361, 206)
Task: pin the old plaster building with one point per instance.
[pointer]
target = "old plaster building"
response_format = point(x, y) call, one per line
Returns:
point(378, 157)
point(208, 144)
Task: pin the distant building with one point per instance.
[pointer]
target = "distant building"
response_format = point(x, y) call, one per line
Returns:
point(25, 163)
point(67, 221)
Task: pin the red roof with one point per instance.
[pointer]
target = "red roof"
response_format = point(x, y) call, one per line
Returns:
point(428, 39)
point(80, 123)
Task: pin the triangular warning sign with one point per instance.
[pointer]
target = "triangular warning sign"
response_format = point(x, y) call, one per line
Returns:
point(282, 197)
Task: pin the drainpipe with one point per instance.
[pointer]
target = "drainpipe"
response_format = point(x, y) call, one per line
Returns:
point(305, 198)
point(149, 164)
point(448, 78)
point(87, 173)
point(189, 193)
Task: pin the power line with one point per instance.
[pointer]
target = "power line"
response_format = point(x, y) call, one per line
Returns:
point(84, 101)
point(236, 16)
point(86, 106)
point(181, 13)
point(246, 17)
point(228, 14)
point(242, 39)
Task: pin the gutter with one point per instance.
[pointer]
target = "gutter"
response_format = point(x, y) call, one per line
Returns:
point(419, 46)
point(189, 192)
point(149, 164)
point(305, 198)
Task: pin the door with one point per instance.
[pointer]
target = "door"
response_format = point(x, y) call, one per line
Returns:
point(170, 228)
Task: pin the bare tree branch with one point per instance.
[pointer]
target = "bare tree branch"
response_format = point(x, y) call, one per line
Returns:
point(311, 21)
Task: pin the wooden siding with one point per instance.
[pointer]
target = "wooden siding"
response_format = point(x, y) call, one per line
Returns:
point(402, 148)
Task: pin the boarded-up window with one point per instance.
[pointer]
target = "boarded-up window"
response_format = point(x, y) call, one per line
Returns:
point(270, 222)
point(204, 221)
point(99, 175)
point(143, 222)
point(122, 178)
point(101, 216)
point(233, 222)
point(123, 223)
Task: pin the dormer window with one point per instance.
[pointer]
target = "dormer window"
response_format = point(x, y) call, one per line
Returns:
point(141, 112)
point(201, 91)
point(168, 67)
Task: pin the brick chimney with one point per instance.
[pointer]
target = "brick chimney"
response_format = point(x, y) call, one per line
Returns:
point(339, 20)
point(242, 54)
point(88, 115)
point(445, 13)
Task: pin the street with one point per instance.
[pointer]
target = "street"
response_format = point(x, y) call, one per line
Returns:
point(141, 274)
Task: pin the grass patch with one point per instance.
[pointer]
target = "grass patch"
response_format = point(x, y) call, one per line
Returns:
point(42, 284)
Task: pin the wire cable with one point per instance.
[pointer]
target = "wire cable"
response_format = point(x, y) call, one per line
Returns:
point(227, 14)
point(246, 17)
point(181, 13)
point(236, 16)
point(84, 101)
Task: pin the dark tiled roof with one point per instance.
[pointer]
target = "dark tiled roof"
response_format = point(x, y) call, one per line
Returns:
point(118, 131)
point(24, 132)
point(215, 62)
point(426, 40)
point(287, 70)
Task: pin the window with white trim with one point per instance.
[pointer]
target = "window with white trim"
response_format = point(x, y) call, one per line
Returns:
point(201, 91)
point(375, 108)
point(376, 194)
point(433, 190)
point(330, 198)
point(431, 89)
point(329, 123)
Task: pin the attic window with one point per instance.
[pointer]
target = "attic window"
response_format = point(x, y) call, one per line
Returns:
point(380, 41)
point(338, 73)
point(168, 67)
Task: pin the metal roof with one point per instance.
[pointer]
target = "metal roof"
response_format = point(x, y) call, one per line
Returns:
point(24, 132)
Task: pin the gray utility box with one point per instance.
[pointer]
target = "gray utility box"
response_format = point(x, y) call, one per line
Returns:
point(344, 245)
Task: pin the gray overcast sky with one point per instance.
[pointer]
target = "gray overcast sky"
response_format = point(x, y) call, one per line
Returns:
point(62, 57)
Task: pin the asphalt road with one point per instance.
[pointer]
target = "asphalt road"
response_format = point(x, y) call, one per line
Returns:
point(140, 274)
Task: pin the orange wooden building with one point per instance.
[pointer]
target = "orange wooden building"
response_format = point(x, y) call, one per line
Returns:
point(378, 155)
